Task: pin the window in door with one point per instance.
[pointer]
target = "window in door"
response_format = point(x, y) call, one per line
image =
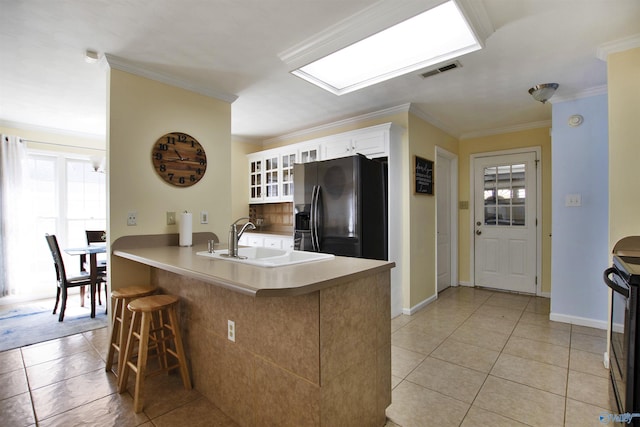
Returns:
point(504, 195)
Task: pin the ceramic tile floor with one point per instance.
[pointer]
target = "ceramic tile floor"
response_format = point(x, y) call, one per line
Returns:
point(471, 358)
point(480, 358)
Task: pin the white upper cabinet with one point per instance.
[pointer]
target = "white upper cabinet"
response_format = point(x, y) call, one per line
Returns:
point(271, 171)
point(271, 175)
point(370, 142)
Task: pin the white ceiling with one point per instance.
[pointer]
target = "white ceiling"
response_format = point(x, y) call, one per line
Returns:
point(232, 47)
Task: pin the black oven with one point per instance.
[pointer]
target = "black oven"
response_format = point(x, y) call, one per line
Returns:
point(624, 358)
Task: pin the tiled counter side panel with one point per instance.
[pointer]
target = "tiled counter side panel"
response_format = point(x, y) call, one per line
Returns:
point(271, 375)
point(274, 359)
point(352, 347)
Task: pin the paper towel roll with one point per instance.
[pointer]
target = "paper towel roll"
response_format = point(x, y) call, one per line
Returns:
point(186, 228)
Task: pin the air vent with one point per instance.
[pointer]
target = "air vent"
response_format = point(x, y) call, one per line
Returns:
point(450, 66)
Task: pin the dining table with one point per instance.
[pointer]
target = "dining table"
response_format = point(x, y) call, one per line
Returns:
point(92, 249)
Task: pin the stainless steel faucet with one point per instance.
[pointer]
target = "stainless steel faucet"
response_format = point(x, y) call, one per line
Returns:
point(234, 235)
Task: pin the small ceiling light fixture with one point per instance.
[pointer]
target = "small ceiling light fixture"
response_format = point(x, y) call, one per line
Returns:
point(420, 39)
point(543, 92)
point(91, 56)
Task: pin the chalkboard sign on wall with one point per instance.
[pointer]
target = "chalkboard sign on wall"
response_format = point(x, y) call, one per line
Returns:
point(424, 176)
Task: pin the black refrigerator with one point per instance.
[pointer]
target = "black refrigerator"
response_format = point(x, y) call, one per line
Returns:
point(340, 207)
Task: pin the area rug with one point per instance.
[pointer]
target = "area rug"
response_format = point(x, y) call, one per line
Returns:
point(31, 323)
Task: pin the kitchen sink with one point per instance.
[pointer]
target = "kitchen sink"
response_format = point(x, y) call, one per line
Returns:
point(267, 257)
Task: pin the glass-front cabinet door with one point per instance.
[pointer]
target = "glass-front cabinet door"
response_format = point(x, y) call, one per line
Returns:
point(272, 178)
point(288, 159)
point(308, 154)
point(255, 179)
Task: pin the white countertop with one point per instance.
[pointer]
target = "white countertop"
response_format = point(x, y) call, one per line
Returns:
point(251, 280)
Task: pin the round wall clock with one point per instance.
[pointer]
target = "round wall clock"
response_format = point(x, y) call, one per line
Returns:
point(179, 159)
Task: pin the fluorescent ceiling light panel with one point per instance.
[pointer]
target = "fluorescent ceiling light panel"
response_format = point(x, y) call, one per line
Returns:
point(439, 34)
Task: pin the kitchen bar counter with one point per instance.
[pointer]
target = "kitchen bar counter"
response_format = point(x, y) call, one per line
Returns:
point(311, 343)
point(250, 280)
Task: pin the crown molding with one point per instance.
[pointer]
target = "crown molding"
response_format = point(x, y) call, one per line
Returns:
point(55, 131)
point(123, 65)
point(587, 93)
point(620, 45)
point(507, 129)
point(329, 126)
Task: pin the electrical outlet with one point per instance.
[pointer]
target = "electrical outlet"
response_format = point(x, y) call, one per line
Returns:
point(204, 217)
point(171, 218)
point(132, 218)
point(231, 330)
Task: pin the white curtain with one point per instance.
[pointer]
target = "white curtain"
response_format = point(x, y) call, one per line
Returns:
point(13, 211)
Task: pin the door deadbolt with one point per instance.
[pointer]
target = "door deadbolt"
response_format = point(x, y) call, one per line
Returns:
point(478, 223)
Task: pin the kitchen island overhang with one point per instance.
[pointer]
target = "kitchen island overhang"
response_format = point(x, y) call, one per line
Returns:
point(312, 341)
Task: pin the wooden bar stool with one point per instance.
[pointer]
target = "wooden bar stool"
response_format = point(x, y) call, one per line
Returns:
point(154, 319)
point(121, 318)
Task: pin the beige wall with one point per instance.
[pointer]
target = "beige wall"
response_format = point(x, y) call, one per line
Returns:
point(240, 177)
point(623, 70)
point(423, 139)
point(139, 112)
point(529, 138)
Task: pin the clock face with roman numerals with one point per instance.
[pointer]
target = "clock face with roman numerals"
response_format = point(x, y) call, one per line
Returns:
point(179, 159)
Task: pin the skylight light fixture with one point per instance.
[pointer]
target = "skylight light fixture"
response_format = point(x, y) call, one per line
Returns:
point(430, 37)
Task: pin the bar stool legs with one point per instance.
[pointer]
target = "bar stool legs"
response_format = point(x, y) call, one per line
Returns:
point(154, 320)
point(120, 320)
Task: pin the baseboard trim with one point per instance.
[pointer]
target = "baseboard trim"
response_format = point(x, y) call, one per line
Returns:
point(544, 294)
point(419, 306)
point(577, 320)
point(467, 284)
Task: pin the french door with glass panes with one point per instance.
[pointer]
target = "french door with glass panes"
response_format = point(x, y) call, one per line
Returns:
point(67, 197)
point(505, 223)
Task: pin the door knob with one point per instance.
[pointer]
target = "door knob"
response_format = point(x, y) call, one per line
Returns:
point(478, 232)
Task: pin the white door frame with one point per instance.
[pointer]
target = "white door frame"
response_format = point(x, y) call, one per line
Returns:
point(472, 202)
point(453, 233)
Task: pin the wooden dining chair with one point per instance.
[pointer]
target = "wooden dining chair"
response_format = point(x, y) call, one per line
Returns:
point(63, 281)
point(95, 236)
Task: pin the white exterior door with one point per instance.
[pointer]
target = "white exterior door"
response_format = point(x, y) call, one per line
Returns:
point(505, 223)
point(443, 203)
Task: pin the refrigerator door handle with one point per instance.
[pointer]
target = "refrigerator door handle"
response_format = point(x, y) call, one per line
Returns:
point(315, 195)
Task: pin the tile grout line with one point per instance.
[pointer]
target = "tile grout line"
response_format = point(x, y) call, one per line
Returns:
point(422, 361)
point(33, 406)
point(566, 391)
point(492, 366)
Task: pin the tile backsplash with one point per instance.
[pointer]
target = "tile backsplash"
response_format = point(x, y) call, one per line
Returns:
point(276, 217)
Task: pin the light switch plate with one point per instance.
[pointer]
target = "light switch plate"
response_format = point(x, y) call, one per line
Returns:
point(204, 217)
point(171, 218)
point(573, 200)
